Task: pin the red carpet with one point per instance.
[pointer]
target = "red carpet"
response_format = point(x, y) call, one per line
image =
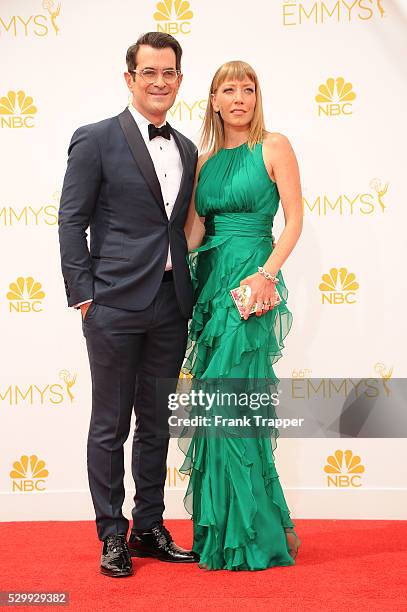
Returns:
point(341, 566)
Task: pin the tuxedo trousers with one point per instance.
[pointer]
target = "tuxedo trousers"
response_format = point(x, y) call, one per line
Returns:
point(128, 353)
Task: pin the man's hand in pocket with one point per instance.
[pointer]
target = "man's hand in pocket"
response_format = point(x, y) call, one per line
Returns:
point(84, 309)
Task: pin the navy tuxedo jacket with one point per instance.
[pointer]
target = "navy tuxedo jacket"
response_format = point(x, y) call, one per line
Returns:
point(111, 187)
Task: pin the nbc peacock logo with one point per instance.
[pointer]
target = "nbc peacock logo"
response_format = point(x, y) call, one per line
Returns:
point(25, 295)
point(338, 287)
point(343, 469)
point(335, 97)
point(28, 474)
point(173, 17)
point(17, 110)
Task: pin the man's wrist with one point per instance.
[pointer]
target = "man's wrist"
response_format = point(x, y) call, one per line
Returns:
point(79, 304)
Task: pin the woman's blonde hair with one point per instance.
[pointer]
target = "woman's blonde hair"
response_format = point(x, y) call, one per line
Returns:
point(213, 136)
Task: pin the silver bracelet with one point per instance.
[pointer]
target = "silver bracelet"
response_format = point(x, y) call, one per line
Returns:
point(267, 275)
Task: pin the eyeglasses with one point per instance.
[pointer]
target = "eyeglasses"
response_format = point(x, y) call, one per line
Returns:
point(151, 76)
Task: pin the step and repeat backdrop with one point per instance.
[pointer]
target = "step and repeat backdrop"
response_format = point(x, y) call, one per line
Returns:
point(332, 80)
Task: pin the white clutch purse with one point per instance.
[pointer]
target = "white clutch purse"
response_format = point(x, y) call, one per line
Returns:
point(241, 296)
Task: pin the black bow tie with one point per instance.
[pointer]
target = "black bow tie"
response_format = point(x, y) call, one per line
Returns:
point(163, 131)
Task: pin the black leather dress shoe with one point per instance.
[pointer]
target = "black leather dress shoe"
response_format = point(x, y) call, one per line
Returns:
point(116, 561)
point(158, 543)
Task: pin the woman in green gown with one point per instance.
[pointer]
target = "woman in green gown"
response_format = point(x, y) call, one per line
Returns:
point(241, 519)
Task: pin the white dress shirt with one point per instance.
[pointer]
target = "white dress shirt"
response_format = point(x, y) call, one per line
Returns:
point(168, 167)
point(167, 163)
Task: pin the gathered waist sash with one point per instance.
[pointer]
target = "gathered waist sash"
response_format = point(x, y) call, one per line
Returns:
point(239, 224)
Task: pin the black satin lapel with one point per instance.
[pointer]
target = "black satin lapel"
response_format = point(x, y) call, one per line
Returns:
point(140, 153)
point(183, 155)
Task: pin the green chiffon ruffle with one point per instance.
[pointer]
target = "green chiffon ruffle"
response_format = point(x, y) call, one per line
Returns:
point(241, 519)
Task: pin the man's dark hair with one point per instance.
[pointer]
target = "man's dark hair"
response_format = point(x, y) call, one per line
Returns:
point(157, 40)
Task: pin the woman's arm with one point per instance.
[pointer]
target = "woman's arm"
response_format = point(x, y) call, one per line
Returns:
point(282, 166)
point(194, 225)
point(281, 163)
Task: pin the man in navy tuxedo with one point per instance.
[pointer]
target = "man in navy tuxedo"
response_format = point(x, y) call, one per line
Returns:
point(129, 180)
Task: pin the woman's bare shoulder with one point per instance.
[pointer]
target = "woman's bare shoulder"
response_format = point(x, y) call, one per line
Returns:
point(276, 140)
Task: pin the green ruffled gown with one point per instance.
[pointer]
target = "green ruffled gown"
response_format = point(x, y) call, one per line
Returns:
point(241, 519)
